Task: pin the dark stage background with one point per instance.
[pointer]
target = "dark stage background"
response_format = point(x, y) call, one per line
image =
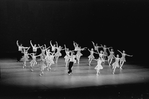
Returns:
point(122, 24)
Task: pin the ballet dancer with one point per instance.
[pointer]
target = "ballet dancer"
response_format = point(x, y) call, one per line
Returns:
point(116, 64)
point(25, 57)
point(76, 46)
point(123, 59)
point(20, 47)
point(78, 49)
point(43, 67)
point(58, 53)
point(34, 47)
point(99, 65)
point(49, 59)
point(20, 50)
point(33, 62)
point(43, 51)
point(105, 51)
point(111, 56)
point(96, 47)
point(91, 56)
point(53, 47)
point(67, 56)
point(79, 54)
point(72, 60)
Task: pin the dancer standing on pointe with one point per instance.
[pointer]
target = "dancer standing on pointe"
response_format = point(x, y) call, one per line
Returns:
point(49, 59)
point(58, 53)
point(91, 56)
point(116, 63)
point(72, 60)
point(33, 62)
point(123, 59)
point(25, 57)
point(99, 65)
point(43, 67)
point(111, 56)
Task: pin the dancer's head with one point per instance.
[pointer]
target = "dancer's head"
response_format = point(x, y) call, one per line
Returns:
point(101, 51)
point(112, 49)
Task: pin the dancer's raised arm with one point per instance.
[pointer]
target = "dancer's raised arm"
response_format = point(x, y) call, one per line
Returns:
point(31, 43)
point(93, 43)
point(17, 42)
point(56, 44)
point(51, 43)
point(128, 55)
point(119, 51)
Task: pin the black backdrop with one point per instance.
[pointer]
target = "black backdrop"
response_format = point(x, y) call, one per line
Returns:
point(121, 24)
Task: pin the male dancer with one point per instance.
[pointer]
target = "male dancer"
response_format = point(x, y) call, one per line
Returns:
point(72, 60)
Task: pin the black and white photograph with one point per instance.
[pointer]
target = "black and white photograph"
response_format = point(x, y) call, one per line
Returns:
point(74, 49)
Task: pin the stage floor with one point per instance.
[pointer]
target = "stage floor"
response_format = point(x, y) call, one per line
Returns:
point(83, 76)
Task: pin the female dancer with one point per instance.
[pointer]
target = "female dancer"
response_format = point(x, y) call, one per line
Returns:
point(79, 54)
point(91, 56)
point(111, 56)
point(49, 59)
point(33, 62)
point(116, 63)
point(105, 51)
point(53, 47)
point(34, 47)
point(20, 47)
point(43, 66)
point(123, 59)
point(58, 53)
point(96, 47)
point(43, 51)
point(99, 65)
point(67, 56)
point(25, 56)
point(20, 50)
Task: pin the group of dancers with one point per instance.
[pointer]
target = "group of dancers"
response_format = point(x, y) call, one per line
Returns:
point(50, 55)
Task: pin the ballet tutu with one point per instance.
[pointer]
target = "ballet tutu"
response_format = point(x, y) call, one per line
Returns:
point(24, 59)
point(98, 67)
point(58, 54)
point(123, 59)
point(115, 64)
point(91, 56)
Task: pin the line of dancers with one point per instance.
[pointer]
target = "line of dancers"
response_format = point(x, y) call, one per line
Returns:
point(50, 55)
